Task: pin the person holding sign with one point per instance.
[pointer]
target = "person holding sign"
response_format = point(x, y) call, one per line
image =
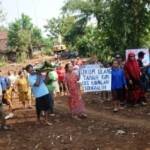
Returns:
point(118, 85)
point(75, 102)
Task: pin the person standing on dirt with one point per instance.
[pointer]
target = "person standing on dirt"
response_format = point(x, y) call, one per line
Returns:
point(5, 82)
point(133, 75)
point(7, 94)
point(50, 83)
point(23, 90)
point(121, 65)
point(144, 78)
point(8, 100)
point(75, 101)
point(118, 84)
point(3, 125)
point(41, 93)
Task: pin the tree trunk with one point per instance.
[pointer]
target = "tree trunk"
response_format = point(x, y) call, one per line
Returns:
point(30, 54)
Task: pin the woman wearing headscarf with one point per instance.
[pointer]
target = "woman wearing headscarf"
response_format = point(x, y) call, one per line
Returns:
point(133, 75)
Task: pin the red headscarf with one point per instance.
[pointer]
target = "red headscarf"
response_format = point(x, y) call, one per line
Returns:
point(132, 68)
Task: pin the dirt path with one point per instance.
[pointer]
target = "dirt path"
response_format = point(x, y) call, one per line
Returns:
point(126, 121)
point(97, 132)
point(93, 114)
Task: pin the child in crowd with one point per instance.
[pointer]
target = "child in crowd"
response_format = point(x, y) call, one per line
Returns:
point(23, 90)
point(118, 84)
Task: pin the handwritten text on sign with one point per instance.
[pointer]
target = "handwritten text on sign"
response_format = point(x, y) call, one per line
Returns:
point(93, 78)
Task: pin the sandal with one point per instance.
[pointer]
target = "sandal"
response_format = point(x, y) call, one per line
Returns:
point(76, 118)
point(115, 110)
point(83, 116)
point(52, 115)
point(6, 128)
point(48, 123)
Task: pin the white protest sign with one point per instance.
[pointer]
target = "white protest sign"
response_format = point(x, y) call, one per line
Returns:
point(146, 60)
point(94, 79)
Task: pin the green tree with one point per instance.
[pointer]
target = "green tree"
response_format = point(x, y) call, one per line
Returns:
point(68, 27)
point(121, 24)
point(126, 29)
point(23, 37)
point(53, 27)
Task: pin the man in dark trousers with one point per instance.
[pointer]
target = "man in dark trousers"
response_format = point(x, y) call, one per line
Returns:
point(144, 80)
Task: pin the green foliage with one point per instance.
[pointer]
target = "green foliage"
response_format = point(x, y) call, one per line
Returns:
point(61, 26)
point(68, 27)
point(46, 51)
point(126, 29)
point(36, 37)
point(23, 37)
point(120, 25)
point(53, 27)
point(48, 45)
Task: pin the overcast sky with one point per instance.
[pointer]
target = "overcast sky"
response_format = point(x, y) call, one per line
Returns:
point(38, 10)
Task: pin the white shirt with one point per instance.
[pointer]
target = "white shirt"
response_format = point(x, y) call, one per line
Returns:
point(76, 69)
point(12, 79)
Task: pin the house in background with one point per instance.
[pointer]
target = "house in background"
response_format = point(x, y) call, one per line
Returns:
point(4, 53)
point(3, 41)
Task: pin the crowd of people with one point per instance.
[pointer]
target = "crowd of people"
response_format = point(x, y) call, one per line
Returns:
point(130, 81)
